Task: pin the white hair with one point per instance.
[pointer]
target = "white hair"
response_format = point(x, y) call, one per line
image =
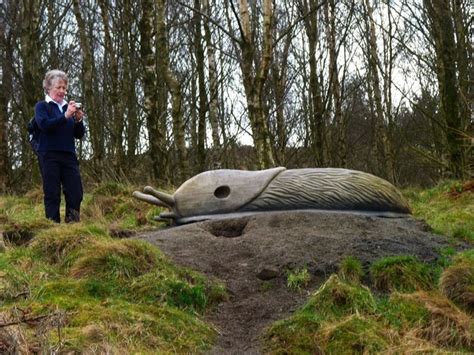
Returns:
point(51, 76)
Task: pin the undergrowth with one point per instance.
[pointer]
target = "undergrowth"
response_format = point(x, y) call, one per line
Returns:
point(448, 208)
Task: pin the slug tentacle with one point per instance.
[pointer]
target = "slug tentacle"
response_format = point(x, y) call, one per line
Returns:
point(164, 197)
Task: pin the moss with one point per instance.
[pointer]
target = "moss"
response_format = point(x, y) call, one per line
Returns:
point(402, 273)
point(61, 245)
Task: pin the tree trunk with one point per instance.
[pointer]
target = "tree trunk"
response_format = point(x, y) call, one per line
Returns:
point(202, 108)
point(335, 87)
point(96, 124)
point(5, 88)
point(116, 103)
point(381, 143)
point(30, 52)
point(280, 76)
point(174, 87)
point(254, 80)
point(152, 113)
point(212, 69)
point(317, 126)
point(441, 19)
point(129, 84)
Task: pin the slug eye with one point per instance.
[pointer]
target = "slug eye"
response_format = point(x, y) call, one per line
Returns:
point(222, 191)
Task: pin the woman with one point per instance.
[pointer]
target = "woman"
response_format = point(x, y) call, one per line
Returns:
point(59, 122)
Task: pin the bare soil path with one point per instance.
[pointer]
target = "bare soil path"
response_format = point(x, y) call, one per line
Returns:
point(252, 256)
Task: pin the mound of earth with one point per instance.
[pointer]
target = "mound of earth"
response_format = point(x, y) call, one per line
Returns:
point(252, 256)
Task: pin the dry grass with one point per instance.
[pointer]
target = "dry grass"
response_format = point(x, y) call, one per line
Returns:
point(446, 326)
point(122, 259)
point(12, 338)
point(457, 283)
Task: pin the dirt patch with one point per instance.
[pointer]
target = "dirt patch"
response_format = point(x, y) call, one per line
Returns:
point(253, 255)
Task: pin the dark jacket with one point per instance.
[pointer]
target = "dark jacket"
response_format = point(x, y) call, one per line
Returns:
point(57, 132)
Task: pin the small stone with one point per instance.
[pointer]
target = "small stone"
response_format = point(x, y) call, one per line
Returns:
point(267, 274)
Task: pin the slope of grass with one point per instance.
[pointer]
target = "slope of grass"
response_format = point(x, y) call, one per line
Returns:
point(448, 208)
point(74, 288)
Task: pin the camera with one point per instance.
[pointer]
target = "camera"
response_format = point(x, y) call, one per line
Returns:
point(79, 105)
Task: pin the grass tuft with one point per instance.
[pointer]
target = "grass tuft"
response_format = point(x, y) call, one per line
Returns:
point(401, 273)
point(457, 281)
point(354, 334)
point(298, 278)
point(350, 270)
point(184, 289)
point(439, 321)
point(123, 259)
point(334, 300)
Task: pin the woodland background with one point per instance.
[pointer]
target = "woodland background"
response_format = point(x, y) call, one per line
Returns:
point(173, 88)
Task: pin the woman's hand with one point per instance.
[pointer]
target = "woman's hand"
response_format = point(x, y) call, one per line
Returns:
point(79, 115)
point(71, 110)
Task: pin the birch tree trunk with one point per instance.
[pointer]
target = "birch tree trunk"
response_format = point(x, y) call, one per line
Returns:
point(174, 87)
point(129, 85)
point(280, 76)
point(212, 69)
point(381, 148)
point(255, 73)
point(5, 89)
point(89, 89)
point(156, 135)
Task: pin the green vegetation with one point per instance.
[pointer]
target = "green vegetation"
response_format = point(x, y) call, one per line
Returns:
point(76, 288)
point(402, 273)
point(448, 208)
point(297, 279)
point(351, 270)
point(457, 281)
point(73, 288)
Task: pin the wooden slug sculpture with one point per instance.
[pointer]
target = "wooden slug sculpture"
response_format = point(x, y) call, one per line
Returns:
point(220, 193)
